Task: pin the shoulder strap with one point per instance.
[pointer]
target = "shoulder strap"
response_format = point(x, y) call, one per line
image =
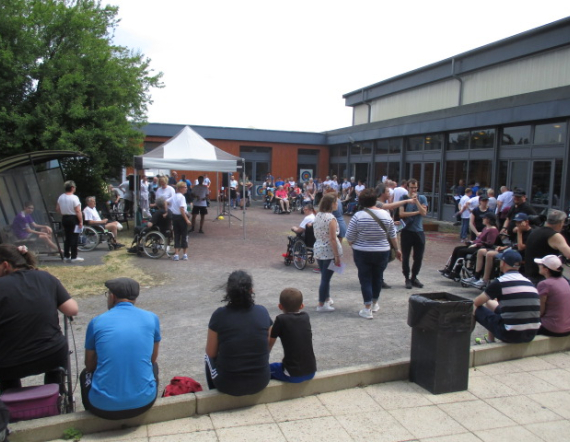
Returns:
point(377, 220)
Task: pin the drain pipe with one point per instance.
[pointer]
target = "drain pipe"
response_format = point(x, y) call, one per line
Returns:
point(454, 75)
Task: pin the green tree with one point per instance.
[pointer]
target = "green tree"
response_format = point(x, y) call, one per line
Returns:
point(64, 85)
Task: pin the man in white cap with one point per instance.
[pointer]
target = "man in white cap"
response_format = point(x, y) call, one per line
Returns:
point(509, 307)
point(554, 292)
point(120, 380)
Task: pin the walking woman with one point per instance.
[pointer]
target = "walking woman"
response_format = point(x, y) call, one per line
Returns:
point(31, 341)
point(327, 247)
point(237, 349)
point(69, 206)
point(370, 233)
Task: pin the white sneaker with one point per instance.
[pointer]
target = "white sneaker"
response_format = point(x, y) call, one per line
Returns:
point(185, 257)
point(325, 308)
point(330, 301)
point(479, 284)
point(175, 258)
point(366, 313)
point(78, 259)
point(469, 280)
point(375, 307)
point(119, 226)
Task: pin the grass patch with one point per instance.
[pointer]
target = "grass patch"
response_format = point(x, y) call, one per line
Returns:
point(87, 281)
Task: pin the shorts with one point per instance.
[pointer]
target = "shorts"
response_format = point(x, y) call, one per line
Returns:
point(202, 210)
point(493, 322)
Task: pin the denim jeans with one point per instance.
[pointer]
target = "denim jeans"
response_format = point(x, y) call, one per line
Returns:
point(326, 275)
point(410, 240)
point(464, 228)
point(371, 266)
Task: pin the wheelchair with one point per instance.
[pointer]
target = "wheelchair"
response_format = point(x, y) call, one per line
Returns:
point(300, 250)
point(35, 406)
point(152, 243)
point(92, 236)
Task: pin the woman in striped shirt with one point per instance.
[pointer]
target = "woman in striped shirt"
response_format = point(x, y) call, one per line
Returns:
point(371, 248)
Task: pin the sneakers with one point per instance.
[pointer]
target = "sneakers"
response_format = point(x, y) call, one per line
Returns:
point(375, 307)
point(330, 301)
point(317, 270)
point(366, 313)
point(408, 284)
point(175, 258)
point(444, 271)
point(416, 283)
point(479, 284)
point(326, 307)
point(185, 257)
point(386, 286)
point(200, 231)
point(469, 281)
point(78, 259)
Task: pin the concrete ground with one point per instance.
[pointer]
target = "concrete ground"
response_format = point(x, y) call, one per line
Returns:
point(189, 292)
point(526, 400)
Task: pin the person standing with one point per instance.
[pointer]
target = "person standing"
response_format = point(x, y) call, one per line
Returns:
point(120, 379)
point(69, 206)
point(465, 214)
point(327, 248)
point(165, 191)
point(370, 233)
point(128, 197)
point(412, 235)
point(180, 222)
point(144, 197)
point(200, 192)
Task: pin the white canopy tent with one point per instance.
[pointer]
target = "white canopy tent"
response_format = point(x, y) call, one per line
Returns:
point(187, 150)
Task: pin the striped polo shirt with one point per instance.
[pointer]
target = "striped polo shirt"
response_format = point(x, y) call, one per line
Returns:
point(518, 300)
point(365, 233)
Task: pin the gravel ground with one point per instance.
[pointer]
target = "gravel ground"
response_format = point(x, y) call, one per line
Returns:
point(186, 295)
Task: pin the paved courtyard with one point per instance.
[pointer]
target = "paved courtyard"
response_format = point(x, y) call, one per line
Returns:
point(189, 292)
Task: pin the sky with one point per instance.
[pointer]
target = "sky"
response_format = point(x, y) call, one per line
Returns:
point(286, 65)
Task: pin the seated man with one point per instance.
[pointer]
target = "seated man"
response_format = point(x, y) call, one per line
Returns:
point(120, 379)
point(282, 198)
point(92, 218)
point(161, 218)
point(509, 307)
point(309, 212)
point(25, 228)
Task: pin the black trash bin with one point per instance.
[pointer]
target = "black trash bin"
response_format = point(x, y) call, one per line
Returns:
point(441, 337)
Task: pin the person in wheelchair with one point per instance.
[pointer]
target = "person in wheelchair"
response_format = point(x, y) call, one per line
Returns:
point(31, 341)
point(282, 199)
point(161, 220)
point(309, 212)
point(486, 239)
point(93, 219)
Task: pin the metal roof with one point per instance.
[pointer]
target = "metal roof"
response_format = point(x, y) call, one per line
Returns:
point(36, 157)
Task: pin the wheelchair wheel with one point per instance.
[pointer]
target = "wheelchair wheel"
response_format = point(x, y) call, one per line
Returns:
point(88, 239)
point(300, 255)
point(154, 245)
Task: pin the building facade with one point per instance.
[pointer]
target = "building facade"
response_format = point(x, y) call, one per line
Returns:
point(496, 115)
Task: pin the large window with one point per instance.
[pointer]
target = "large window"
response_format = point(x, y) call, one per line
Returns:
point(516, 135)
point(390, 145)
point(391, 170)
point(425, 142)
point(552, 133)
point(475, 139)
point(474, 171)
point(458, 140)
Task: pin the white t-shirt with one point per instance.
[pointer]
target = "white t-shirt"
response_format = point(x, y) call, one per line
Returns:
point(506, 198)
point(466, 213)
point(201, 194)
point(473, 203)
point(307, 220)
point(359, 189)
point(177, 202)
point(399, 192)
point(91, 214)
point(167, 193)
point(68, 203)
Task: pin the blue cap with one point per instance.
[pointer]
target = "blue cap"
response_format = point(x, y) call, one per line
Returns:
point(512, 258)
point(520, 217)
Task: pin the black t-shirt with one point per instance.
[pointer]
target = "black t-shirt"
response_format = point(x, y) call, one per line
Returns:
point(294, 329)
point(243, 348)
point(29, 321)
point(159, 220)
point(521, 208)
point(537, 247)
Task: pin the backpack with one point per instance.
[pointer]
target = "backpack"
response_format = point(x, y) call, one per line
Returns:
point(181, 385)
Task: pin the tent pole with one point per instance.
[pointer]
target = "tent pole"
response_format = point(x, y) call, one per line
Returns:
point(244, 180)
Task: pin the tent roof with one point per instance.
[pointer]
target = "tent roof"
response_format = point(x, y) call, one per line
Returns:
point(36, 157)
point(188, 151)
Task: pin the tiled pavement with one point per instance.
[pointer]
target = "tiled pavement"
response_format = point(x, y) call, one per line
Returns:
point(525, 400)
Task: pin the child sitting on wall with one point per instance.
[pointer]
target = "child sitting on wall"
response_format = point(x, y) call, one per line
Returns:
point(294, 329)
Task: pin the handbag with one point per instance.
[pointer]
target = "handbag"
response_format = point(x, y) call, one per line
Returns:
point(392, 249)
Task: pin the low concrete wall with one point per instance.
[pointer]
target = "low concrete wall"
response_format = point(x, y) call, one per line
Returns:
point(187, 405)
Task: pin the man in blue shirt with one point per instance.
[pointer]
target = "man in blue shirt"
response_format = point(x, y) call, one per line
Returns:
point(412, 235)
point(120, 380)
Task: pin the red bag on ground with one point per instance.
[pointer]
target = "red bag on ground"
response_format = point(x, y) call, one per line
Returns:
point(181, 385)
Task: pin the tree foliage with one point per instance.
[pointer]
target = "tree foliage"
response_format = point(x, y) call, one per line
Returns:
point(64, 85)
